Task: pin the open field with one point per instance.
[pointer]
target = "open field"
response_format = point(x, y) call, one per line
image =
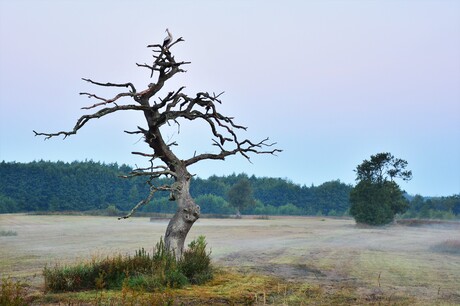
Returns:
point(331, 253)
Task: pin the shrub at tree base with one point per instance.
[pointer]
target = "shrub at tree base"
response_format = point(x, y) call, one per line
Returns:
point(196, 262)
point(141, 271)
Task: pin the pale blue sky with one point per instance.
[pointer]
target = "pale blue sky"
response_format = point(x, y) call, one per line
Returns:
point(331, 81)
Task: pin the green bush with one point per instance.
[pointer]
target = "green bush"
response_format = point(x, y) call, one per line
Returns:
point(175, 279)
point(212, 204)
point(112, 210)
point(289, 210)
point(376, 203)
point(195, 263)
point(141, 271)
point(143, 282)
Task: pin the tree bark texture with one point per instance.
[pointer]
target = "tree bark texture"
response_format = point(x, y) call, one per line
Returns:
point(187, 213)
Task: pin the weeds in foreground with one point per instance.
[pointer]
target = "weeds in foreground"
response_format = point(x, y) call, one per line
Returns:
point(140, 272)
point(12, 293)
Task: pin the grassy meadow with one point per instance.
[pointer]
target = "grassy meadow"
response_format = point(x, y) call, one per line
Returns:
point(282, 260)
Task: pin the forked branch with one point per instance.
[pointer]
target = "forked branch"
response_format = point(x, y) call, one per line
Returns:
point(244, 148)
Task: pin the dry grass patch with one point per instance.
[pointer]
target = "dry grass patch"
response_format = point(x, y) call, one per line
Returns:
point(230, 287)
point(227, 288)
point(12, 292)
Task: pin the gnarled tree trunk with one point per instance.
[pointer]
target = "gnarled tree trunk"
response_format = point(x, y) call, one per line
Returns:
point(187, 213)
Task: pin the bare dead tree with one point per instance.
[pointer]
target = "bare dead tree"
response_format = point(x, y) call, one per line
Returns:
point(172, 108)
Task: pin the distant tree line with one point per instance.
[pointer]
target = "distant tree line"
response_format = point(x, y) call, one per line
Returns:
point(434, 208)
point(82, 186)
point(89, 185)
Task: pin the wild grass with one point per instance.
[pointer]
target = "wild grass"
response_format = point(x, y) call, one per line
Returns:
point(142, 271)
point(8, 233)
point(231, 287)
point(12, 292)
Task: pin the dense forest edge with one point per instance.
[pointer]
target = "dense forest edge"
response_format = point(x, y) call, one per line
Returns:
point(43, 186)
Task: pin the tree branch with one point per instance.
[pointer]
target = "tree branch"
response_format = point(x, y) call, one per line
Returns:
point(85, 118)
point(163, 59)
point(149, 171)
point(133, 89)
point(147, 200)
point(105, 101)
point(242, 148)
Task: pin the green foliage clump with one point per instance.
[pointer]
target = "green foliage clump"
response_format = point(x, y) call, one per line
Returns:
point(112, 210)
point(195, 263)
point(7, 204)
point(376, 199)
point(376, 204)
point(289, 210)
point(141, 271)
point(241, 195)
point(212, 204)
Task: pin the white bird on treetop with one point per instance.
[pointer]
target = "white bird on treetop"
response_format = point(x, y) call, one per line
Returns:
point(168, 39)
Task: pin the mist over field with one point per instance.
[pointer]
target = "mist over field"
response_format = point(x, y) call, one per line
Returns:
point(393, 260)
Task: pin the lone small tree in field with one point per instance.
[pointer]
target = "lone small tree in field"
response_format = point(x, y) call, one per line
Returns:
point(158, 112)
point(240, 196)
point(377, 198)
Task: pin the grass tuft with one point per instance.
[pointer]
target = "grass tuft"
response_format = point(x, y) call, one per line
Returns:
point(12, 292)
point(142, 271)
